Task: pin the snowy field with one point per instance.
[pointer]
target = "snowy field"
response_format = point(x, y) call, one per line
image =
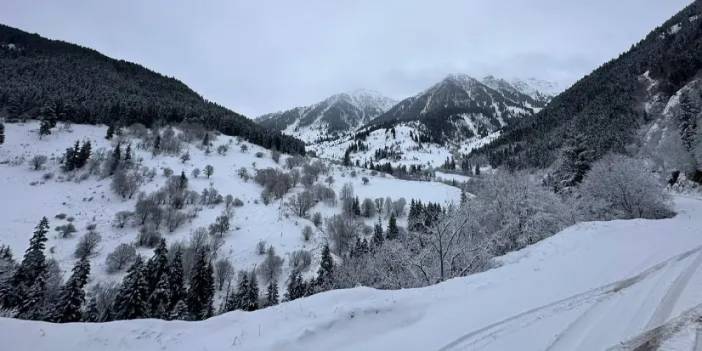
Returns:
point(589, 287)
point(26, 197)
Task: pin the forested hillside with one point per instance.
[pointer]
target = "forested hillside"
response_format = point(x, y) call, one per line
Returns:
point(50, 79)
point(604, 110)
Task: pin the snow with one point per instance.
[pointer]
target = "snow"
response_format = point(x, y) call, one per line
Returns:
point(27, 197)
point(592, 286)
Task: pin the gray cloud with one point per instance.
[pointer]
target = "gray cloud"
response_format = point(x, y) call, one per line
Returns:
point(262, 56)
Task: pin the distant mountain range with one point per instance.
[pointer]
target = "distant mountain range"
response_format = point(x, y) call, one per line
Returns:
point(461, 106)
point(332, 117)
point(458, 106)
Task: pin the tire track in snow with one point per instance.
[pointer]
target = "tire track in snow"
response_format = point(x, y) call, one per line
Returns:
point(665, 308)
point(662, 293)
point(492, 331)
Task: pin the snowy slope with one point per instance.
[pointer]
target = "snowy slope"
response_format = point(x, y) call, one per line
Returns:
point(589, 287)
point(330, 118)
point(26, 197)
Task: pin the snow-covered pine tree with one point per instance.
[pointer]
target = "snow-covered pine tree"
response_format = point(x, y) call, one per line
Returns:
point(110, 131)
point(201, 292)
point(252, 293)
point(130, 302)
point(180, 311)
point(44, 128)
point(393, 232)
point(272, 293)
point(378, 236)
point(13, 292)
point(72, 295)
point(159, 300)
point(157, 266)
point(175, 279)
point(34, 303)
point(325, 278)
point(296, 286)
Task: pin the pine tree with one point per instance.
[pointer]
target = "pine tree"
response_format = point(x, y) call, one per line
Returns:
point(157, 266)
point(175, 278)
point(393, 231)
point(72, 296)
point(116, 158)
point(240, 300)
point(2, 133)
point(180, 311)
point(183, 181)
point(206, 140)
point(32, 266)
point(110, 132)
point(91, 313)
point(130, 302)
point(378, 237)
point(296, 286)
point(252, 293)
point(477, 169)
point(83, 155)
point(199, 297)
point(159, 300)
point(326, 270)
point(128, 154)
point(157, 144)
point(44, 128)
point(33, 304)
point(272, 293)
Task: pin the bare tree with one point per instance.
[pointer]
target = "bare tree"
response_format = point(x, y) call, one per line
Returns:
point(301, 203)
point(224, 272)
point(122, 257)
point(88, 245)
point(271, 266)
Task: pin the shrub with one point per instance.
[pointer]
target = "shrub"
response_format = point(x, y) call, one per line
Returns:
point(275, 156)
point(66, 230)
point(300, 260)
point(271, 266)
point(259, 154)
point(38, 162)
point(88, 245)
point(261, 247)
point(307, 232)
point(618, 186)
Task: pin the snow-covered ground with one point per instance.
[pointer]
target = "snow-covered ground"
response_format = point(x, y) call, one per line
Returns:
point(26, 197)
point(590, 287)
point(408, 151)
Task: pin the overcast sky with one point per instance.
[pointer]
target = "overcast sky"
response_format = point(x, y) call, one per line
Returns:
point(260, 56)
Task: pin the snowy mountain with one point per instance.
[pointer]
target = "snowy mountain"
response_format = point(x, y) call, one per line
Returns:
point(461, 106)
point(452, 117)
point(330, 118)
point(636, 282)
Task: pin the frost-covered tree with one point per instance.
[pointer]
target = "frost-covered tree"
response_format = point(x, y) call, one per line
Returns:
point(618, 186)
point(34, 264)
